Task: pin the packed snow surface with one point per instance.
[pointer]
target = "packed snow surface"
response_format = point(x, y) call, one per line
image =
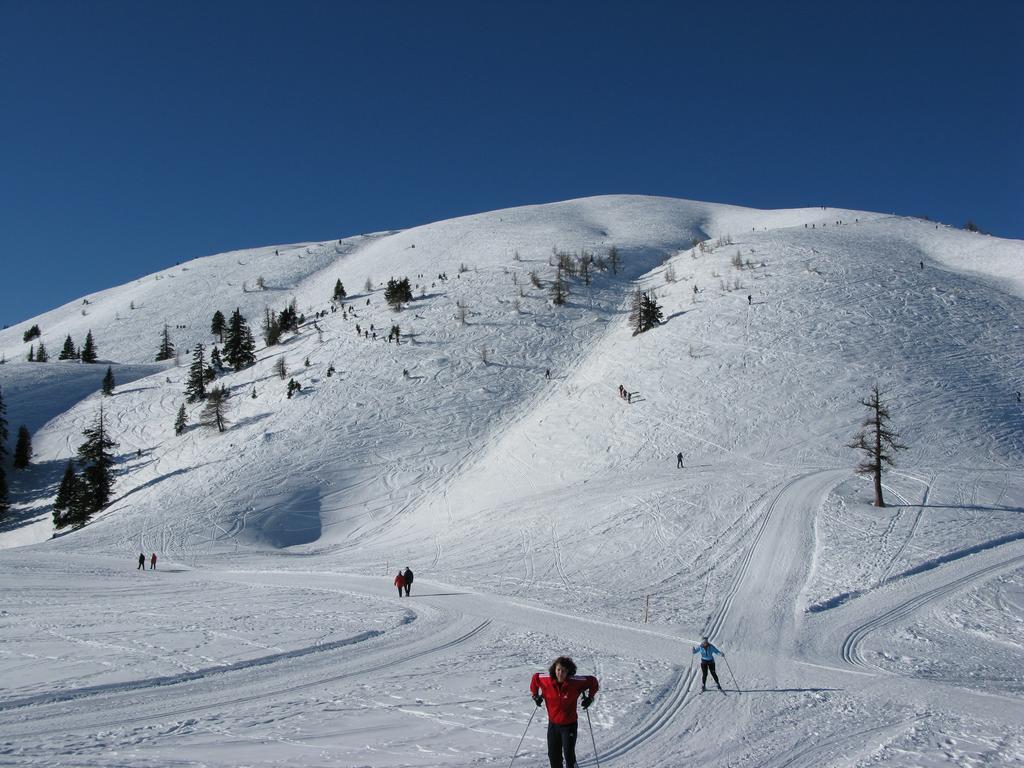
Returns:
point(542, 513)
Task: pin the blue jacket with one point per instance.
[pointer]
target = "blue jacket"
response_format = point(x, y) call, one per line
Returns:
point(707, 654)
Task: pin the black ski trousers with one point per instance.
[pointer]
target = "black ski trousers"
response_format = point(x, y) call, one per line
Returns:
point(705, 667)
point(562, 743)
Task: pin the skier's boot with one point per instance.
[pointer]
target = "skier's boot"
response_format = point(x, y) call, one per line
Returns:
point(703, 688)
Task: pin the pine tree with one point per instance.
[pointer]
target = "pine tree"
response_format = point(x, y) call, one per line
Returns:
point(293, 387)
point(558, 289)
point(195, 385)
point(614, 260)
point(644, 313)
point(339, 291)
point(271, 328)
point(31, 333)
point(97, 461)
point(166, 351)
point(215, 410)
point(32, 353)
point(239, 347)
point(68, 351)
point(68, 496)
point(88, 353)
point(180, 421)
point(216, 364)
point(108, 382)
point(41, 354)
point(217, 325)
point(23, 448)
point(877, 440)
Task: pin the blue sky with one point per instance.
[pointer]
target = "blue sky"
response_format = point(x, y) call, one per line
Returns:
point(139, 134)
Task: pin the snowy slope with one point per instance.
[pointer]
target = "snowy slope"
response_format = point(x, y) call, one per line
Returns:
point(540, 514)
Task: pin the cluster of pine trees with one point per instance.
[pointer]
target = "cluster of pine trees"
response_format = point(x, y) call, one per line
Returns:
point(645, 312)
point(22, 455)
point(87, 354)
point(276, 324)
point(81, 495)
point(398, 293)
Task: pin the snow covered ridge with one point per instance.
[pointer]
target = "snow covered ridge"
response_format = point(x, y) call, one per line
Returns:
point(542, 512)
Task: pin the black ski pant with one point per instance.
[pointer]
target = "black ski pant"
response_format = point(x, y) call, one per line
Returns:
point(705, 667)
point(562, 743)
point(407, 588)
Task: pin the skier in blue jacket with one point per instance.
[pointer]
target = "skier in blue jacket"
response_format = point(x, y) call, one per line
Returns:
point(707, 662)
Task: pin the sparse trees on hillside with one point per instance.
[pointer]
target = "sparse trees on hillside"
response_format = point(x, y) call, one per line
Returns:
point(195, 385)
point(217, 326)
point(23, 448)
point(559, 290)
point(88, 353)
point(166, 351)
point(108, 382)
point(239, 347)
point(877, 441)
point(271, 328)
point(293, 387)
point(280, 368)
point(31, 333)
point(68, 501)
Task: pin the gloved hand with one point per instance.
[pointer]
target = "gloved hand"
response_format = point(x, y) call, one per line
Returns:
point(538, 699)
point(586, 702)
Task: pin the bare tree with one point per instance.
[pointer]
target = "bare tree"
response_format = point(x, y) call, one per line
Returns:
point(877, 440)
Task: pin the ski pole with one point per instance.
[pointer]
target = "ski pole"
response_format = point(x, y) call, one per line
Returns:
point(596, 759)
point(727, 666)
point(514, 754)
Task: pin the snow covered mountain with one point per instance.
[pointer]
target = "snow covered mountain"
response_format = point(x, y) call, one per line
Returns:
point(538, 512)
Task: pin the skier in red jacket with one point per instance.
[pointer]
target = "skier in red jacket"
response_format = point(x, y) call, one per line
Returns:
point(559, 689)
point(400, 582)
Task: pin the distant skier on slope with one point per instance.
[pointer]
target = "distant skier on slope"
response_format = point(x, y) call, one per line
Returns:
point(559, 689)
point(142, 562)
point(679, 460)
point(400, 582)
point(407, 577)
point(152, 562)
point(707, 662)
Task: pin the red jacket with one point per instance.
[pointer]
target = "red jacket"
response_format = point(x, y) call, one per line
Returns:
point(399, 581)
point(561, 699)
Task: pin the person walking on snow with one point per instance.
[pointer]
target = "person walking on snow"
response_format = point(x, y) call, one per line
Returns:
point(707, 663)
point(407, 578)
point(679, 460)
point(152, 562)
point(559, 689)
point(400, 582)
point(142, 562)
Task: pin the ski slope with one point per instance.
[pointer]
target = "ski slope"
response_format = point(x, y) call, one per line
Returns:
point(541, 516)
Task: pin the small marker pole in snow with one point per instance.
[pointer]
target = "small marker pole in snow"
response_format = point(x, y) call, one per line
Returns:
point(587, 710)
point(727, 666)
point(521, 738)
point(647, 609)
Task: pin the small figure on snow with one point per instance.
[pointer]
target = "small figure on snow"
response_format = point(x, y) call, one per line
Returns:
point(707, 662)
point(679, 460)
point(400, 582)
point(547, 373)
point(407, 578)
point(559, 689)
point(142, 562)
point(152, 562)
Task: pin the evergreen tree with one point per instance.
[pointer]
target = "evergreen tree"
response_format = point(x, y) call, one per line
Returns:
point(97, 460)
point(558, 289)
point(271, 328)
point(41, 354)
point(166, 351)
point(32, 353)
point(215, 410)
point(23, 448)
point(68, 351)
point(239, 347)
point(68, 497)
point(215, 362)
point(180, 421)
point(31, 333)
point(88, 353)
point(5, 505)
point(339, 291)
point(877, 440)
point(293, 387)
point(217, 325)
point(645, 312)
point(108, 382)
point(195, 385)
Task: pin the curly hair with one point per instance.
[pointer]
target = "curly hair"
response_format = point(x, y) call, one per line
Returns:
point(565, 661)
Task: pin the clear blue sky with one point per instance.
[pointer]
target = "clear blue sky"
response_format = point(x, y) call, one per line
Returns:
point(138, 134)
